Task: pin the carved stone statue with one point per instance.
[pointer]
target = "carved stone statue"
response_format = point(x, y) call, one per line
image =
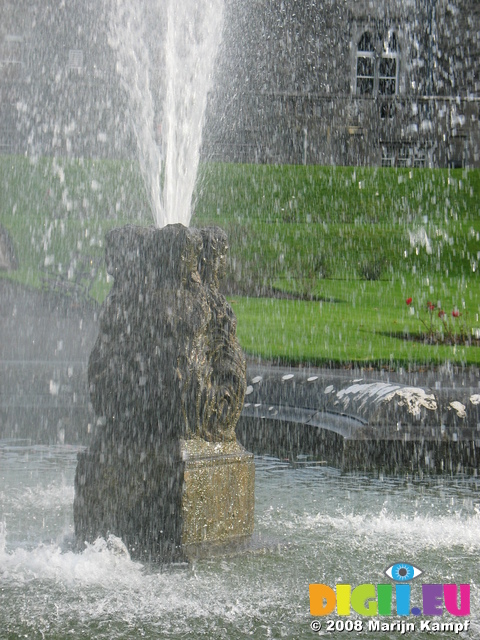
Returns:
point(167, 381)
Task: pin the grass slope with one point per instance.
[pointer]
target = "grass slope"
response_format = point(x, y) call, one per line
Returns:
point(350, 244)
point(359, 241)
point(57, 213)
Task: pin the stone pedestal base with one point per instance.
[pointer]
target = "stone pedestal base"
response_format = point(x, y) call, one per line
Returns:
point(167, 503)
point(218, 495)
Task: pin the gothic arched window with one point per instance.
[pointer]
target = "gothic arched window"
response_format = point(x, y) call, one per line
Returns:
point(366, 65)
point(388, 66)
point(377, 65)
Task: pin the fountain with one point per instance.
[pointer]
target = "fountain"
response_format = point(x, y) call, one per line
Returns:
point(192, 32)
point(167, 378)
point(142, 491)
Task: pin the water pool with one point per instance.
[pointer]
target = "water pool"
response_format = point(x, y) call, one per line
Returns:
point(313, 524)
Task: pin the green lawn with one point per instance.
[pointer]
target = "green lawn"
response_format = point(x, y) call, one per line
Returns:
point(348, 245)
point(301, 223)
point(359, 241)
point(358, 322)
point(57, 213)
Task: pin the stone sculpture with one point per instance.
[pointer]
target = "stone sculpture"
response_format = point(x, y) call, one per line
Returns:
point(167, 381)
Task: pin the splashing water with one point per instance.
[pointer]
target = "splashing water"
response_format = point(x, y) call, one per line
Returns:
point(167, 89)
point(317, 524)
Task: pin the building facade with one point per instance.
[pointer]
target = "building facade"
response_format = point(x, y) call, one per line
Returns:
point(59, 92)
point(384, 82)
point(378, 82)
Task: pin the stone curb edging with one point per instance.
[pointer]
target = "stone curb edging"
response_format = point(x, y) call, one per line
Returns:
point(361, 423)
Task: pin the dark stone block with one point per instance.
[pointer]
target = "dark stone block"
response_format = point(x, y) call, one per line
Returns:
point(166, 368)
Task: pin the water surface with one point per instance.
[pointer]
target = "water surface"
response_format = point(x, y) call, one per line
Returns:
point(313, 524)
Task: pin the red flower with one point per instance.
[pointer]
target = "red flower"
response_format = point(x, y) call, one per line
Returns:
point(455, 313)
point(430, 306)
point(408, 301)
point(441, 314)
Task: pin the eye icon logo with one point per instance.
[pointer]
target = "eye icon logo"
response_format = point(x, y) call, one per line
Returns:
point(403, 572)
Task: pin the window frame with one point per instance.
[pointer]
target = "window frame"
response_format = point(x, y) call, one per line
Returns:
point(378, 52)
point(404, 155)
point(11, 65)
point(76, 60)
point(365, 54)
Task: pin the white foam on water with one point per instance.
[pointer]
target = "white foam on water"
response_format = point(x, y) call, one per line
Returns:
point(105, 563)
point(52, 496)
point(334, 526)
point(442, 532)
point(103, 583)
